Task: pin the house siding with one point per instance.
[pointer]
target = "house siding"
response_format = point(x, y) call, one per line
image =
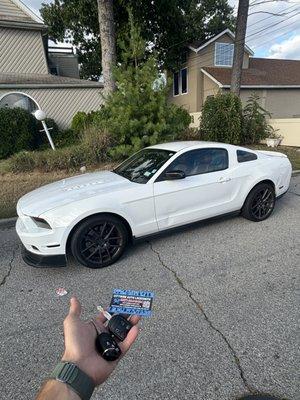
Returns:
point(62, 104)
point(10, 12)
point(289, 129)
point(196, 95)
point(281, 103)
point(210, 88)
point(28, 54)
point(188, 100)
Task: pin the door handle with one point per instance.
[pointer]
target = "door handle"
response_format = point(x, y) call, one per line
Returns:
point(223, 180)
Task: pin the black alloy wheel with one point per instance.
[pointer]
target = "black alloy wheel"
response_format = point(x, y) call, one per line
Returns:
point(99, 241)
point(259, 203)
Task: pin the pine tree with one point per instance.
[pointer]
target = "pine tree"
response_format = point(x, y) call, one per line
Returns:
point(138, 113)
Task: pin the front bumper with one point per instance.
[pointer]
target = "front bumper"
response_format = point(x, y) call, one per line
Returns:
point(40, 241)
point(43, 261)
point(41, 247)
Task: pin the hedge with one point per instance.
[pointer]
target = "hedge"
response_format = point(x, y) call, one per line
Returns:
point(18, 131)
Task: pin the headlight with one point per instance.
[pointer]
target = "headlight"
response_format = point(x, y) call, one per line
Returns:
point(41, 223)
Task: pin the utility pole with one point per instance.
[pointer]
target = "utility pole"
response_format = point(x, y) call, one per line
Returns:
point(239, 45)
point(108, 43)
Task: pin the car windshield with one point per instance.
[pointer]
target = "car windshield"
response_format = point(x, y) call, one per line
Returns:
point(143, 165)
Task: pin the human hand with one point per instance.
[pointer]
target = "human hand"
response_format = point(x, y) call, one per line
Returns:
point(80, 347)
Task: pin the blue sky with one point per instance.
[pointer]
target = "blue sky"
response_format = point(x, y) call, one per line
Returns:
point(280, 37)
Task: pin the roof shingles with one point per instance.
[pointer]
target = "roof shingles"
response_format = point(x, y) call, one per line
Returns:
point(262, 72)
point(44, 79)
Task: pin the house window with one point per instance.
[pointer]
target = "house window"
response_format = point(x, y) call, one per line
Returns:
point(18, 100)
point(176, 83)
point(184, 80)
point(224, 54)
point(180, 82)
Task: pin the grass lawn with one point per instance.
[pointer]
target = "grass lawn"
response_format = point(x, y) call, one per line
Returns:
point(13, 186)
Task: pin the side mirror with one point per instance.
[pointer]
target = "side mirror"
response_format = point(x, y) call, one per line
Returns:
point(172, 175)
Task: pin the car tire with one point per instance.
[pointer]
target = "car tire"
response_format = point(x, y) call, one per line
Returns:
point(99, 241)
point(259, 203)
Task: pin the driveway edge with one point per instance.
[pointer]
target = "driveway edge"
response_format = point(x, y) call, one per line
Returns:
point(7, 222)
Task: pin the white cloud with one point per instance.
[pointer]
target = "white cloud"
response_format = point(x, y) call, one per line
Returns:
point(289, 49)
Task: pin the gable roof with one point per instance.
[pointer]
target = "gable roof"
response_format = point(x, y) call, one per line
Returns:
point(199, 45)
point(262, 73)
point(16, 12)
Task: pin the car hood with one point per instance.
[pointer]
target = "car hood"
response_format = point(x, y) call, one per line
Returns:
point(69, 190)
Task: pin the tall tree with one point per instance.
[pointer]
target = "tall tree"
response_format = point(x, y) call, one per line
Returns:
point(166, 25)
point(139, 113)
point(108, 43)
point(239, 46)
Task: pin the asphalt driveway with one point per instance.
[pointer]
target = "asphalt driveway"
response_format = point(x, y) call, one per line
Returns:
point(225, 312)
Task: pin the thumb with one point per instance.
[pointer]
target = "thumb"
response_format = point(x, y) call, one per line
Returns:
point(75, 308)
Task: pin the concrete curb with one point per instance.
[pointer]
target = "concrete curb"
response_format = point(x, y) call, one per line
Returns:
point(7, 222)
point(296, 172)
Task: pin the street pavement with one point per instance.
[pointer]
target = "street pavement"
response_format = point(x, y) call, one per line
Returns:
point(224, 317)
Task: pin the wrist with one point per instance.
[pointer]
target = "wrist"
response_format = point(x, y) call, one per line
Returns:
point(53, 389)
point(81, 364)
point(75, 378)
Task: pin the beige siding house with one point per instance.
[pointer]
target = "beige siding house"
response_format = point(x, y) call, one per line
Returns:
point(32, 77)
point(207, 71)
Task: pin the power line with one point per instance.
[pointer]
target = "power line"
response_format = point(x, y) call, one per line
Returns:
point(267, 1)
point(184, 41)
point(270, 26)
point(271, 16)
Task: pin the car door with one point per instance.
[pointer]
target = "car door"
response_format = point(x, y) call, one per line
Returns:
point(206, 191)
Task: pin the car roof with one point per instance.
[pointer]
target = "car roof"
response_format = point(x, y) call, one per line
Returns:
point(178, 146)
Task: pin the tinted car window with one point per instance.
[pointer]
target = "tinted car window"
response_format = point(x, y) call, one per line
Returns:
point(200, 161)
point(143, 165)
point(244, 156)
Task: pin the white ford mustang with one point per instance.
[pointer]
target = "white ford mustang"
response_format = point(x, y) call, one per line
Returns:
point(95, 215)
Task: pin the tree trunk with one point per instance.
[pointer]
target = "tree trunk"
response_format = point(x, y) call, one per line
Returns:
point(108, 43)
point(239, 46)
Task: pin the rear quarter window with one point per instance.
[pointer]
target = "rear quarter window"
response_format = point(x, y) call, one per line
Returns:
point(244, 156)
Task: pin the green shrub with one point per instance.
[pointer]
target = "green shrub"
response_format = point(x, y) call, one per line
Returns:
point(221, 119)
point(190, 134)
point(24, 161)
point(255, 126)
point(41, 140)
point(66, 138)
point(94, 148)
point(60, 138)
point(17, 131)
point(70, 158)
point(138, 113)
point(97, 144)
point(81, 121)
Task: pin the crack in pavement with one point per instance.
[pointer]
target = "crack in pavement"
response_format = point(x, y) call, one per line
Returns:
point(200, 308)
point(2, 283)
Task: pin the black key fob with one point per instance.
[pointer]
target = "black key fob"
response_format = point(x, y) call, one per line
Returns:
point(107, 347)
point(119, 326)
